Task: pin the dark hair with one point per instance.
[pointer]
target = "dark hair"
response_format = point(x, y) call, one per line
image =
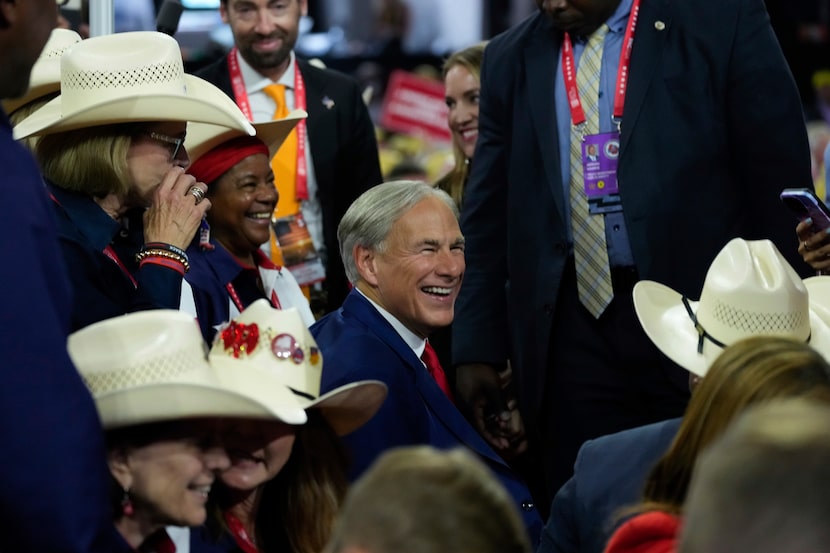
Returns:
point(295, 510)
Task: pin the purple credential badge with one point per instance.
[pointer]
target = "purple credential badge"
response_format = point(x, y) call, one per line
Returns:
point(600, 153)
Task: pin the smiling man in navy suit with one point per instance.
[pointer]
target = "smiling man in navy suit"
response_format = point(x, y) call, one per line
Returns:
point(404, 252)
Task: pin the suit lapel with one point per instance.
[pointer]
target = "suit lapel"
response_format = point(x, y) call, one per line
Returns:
point(649, 43)
point(541, 55)
point(430, 393)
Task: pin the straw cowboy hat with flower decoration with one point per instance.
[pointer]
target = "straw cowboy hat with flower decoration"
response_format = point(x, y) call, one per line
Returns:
point(46, 72)
point(151, 366)
point(275, 341)
point(749, 290)
point(126, 77)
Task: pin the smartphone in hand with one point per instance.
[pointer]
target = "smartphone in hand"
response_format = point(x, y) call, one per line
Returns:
point(803, 203)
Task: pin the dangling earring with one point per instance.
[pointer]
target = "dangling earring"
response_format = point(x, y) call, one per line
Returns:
point(127, 504)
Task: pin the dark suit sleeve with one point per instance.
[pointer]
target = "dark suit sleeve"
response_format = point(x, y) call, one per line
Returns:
point(480, 329)
point(767, 131)
point(54, 492)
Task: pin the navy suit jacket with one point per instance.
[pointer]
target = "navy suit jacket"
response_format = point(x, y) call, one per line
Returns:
point(712, 132)
point(343, 148)
point(609, 473)
point(358, 344)
point(55, 488)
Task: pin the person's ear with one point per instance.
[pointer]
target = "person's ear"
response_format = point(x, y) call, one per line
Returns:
point(303, 7)
point(365, 260)
point(223, 10)
point(119, 465)
point(8, 13)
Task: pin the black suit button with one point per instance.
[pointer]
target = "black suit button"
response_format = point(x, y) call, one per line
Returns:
point(527, 506)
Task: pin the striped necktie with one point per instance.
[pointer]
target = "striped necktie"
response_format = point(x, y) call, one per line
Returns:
point(593, 271)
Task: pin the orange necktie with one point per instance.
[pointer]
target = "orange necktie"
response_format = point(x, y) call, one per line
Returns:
point(284, 162)
point(430, 359)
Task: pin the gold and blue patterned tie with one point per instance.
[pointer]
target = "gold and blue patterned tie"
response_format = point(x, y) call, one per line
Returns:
point(593, 271)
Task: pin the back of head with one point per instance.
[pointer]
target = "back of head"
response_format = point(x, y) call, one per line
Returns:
point(751, 371)
point(763, 486)
point(421, 500)
point(369, 219)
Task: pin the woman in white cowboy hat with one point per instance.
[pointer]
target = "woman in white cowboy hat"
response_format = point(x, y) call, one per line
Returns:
point(111, 150)
point(283, 498)
point(164, 410)
point(228, 270)
point(45, 81)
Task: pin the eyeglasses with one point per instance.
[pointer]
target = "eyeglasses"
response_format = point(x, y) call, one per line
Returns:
point(176, 143)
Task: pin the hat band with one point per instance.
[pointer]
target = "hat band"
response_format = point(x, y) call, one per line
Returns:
point(155, 371)
point(701, 332)
point(304, 395)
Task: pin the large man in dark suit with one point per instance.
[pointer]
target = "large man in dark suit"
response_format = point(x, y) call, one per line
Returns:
point(55, 486)
point(342, 154)
point(404, 252)
point(711, 131)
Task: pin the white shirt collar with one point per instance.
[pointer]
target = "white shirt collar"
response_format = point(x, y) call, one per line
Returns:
point(415, 342)
point(256, 81)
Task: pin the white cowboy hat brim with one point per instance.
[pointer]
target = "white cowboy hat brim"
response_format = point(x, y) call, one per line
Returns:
point(45, 77)
point(345, 408)
point(203, 103)
point(170, 401)
point(667, 324)
point(34, 93)
point(202, 138)
point(349, 407)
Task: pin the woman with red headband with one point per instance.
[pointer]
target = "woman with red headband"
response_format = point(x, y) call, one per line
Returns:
point(228, 269)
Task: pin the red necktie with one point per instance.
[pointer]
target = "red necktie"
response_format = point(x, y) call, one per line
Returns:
point(430, 359)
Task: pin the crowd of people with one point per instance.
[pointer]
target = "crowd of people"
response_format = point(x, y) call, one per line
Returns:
point(224, 332)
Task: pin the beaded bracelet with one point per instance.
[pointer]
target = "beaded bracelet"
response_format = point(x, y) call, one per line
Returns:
point(164, 246)
point(146, 254)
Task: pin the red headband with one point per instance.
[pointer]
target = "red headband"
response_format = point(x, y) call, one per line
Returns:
point(220, 159)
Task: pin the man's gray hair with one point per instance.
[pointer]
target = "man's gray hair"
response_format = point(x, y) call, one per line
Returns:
point(370, 218)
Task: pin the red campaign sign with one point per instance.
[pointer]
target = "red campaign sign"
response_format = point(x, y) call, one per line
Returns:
point(415, 105)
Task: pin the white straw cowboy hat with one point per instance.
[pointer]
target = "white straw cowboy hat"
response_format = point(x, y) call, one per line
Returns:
point(202, 138)
point(276, 342)
point(750, 290)
point(46, 72)
point(151, 366)
point(124, 77)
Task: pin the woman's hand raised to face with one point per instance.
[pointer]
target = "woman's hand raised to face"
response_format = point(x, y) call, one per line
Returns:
point(177, 209)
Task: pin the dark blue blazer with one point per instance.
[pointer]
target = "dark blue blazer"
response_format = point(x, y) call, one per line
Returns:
point(54, 489)
point(357, 344)
point(609, 473)
point(712, 132)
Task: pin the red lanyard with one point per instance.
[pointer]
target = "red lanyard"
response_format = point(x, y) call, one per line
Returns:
point(240, 535)
point(568, 71)
point(241, 95)
point(110, 253)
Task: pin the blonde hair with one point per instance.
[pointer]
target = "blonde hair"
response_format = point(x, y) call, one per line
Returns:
point(749, 372)
point(91, 161)
point(453, 182)
point(418, 499)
